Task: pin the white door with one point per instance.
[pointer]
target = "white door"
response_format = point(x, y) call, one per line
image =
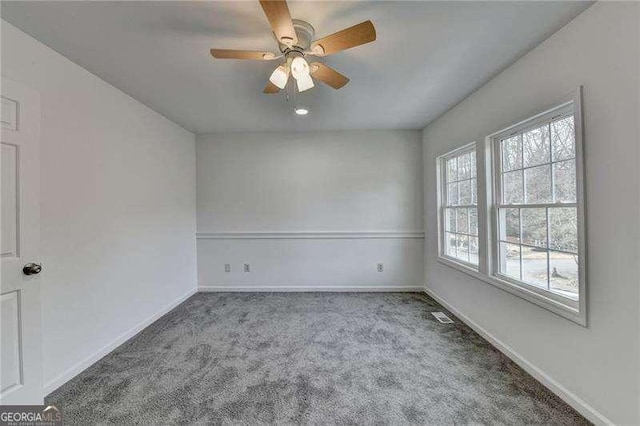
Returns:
point(20, 323)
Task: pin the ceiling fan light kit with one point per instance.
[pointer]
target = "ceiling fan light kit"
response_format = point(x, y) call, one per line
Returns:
point(299, 67)
point(304, 83)
point(296, 39)
point(280, 76)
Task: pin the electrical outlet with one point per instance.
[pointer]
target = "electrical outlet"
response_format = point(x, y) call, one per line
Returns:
point(247, 268)
point(380, 267)
point(227, 267)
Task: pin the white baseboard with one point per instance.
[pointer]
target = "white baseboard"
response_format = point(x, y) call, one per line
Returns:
point(404, 289)
point(566, 395)
point(86, 363)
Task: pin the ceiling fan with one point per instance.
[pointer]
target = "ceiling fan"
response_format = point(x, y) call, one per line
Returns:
point(296, 39)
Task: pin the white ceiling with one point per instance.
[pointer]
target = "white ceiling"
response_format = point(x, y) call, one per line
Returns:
point(428, 56)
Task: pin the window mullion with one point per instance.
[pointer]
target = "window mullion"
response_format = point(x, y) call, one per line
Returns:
point(548, 251)
point(497, 185)
point(468, 235)
point(524, 185)
point(443, 227)
point(520, 239)
point(455, 238)
point(552, 180)
point(537, 205)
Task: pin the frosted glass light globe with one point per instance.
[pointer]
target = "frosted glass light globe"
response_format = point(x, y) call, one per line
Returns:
point(299, 67)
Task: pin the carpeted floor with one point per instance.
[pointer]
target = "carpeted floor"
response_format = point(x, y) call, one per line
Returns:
point(320, 358)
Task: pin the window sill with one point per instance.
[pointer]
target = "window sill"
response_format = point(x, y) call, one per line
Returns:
point(540, 300)
point(467, 268)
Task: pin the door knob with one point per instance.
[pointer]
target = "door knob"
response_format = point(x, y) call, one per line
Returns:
point(31, 269)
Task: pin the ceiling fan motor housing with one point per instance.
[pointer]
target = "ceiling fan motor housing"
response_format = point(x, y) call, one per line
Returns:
point(305, 34)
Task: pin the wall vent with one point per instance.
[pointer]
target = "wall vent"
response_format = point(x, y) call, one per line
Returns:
point(442, 317)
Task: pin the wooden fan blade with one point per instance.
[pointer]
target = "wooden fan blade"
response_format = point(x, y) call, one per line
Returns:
point(271, 88)
point(354, 36)
point(279, 17)
point(242, 54)
point(328, 75)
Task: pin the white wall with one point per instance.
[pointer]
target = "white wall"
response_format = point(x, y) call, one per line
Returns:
point(117, 207)
point(598, 364)
point(359, 185)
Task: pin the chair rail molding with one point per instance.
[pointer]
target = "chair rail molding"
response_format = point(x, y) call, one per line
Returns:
point(315, 235)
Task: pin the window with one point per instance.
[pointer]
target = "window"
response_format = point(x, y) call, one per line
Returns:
point(459, 207)
point(536, 205)
point(525, 232)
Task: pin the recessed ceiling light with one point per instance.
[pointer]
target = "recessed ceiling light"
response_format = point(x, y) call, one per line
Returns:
point(301, 111)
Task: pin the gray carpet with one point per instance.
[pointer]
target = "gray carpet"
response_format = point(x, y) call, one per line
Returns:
point(319, 358)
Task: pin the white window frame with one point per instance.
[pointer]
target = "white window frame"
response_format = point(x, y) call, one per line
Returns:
point(487, 172)
point(441, 170)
